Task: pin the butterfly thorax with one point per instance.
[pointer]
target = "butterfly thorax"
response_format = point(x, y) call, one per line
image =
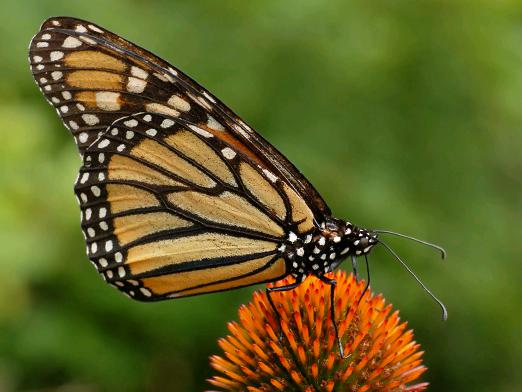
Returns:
point(323, 249)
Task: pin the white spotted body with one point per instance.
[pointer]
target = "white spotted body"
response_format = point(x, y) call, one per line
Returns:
point(323, 249)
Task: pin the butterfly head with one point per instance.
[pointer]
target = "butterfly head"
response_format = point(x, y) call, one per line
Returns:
point(347, 238)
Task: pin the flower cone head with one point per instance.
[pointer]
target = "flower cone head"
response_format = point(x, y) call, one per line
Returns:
point(382, 355)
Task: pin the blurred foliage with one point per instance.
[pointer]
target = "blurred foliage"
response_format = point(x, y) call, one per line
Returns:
point(405, 115)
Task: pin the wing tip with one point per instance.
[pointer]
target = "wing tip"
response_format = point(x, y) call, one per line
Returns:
point(54, 22)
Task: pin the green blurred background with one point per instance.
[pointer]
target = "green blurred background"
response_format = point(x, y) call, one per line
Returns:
point(404, 114)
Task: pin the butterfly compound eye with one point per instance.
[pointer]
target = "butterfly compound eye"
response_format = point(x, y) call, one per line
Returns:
point(364, 242)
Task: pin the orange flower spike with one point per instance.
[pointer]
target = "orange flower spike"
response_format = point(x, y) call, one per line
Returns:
point(224, 383)
point(413, 374)
point(312, 320)
point(364, 388)
point(301, 354)
point(315, 370)
point(270, 332)
point(319, 303)
point(347, 373)
point(221, 364)
point(330, 386)
point(383, 354)
point(331, 340)
point(255, 339)
point(296, 377)
point(316, 348)
point(298, 321)
point(286, 364)
point(306, 336)
point(276, 348)
point(235, 357)
point(249, 373)
point(316, 297)
point(237, 332)
point(260, 353)
point(319, 322)
point(330, 361)
point(265, 368)
point(277, 384)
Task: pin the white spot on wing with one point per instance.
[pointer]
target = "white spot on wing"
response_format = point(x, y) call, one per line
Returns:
point(135, 85)
point(56, 55)
point(94, 28)
point(145, 292)
point(84, 178)
point(214, 124)
point(104, 143)
point(108, 100)
point(83, 137)
point(207, 95)
point(131, 123)
point(241, 131)
point(90, 119)
point(88, 40)
point(139, 73)
point(96, 191)
point(228, 153)
point(179, 103)
point(200, 131)
point(56, 75)
point(71, 42)
point(167, 123)
point(271, 176)
point(162, 109)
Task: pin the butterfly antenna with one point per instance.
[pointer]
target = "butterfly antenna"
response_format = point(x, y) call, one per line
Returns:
point(438, 301)
point(437, 247)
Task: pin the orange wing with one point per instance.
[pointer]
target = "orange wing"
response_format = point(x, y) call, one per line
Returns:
point(94, 77)
point(170, 210)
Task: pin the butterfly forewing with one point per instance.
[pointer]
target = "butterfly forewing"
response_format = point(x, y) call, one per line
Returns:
point(93, 77)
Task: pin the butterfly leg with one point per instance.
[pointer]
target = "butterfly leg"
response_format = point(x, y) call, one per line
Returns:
point(277, 289)
point(367, 280)
point(333, 284)
point(354, 268)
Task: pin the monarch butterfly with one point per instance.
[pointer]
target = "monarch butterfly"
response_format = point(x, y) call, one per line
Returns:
point(178, 195)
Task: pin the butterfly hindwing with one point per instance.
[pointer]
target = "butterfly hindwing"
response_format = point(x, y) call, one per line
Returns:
point(169, 210)
point(93, 77)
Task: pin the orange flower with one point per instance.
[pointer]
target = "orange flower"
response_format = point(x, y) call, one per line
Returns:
point(382, 355)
